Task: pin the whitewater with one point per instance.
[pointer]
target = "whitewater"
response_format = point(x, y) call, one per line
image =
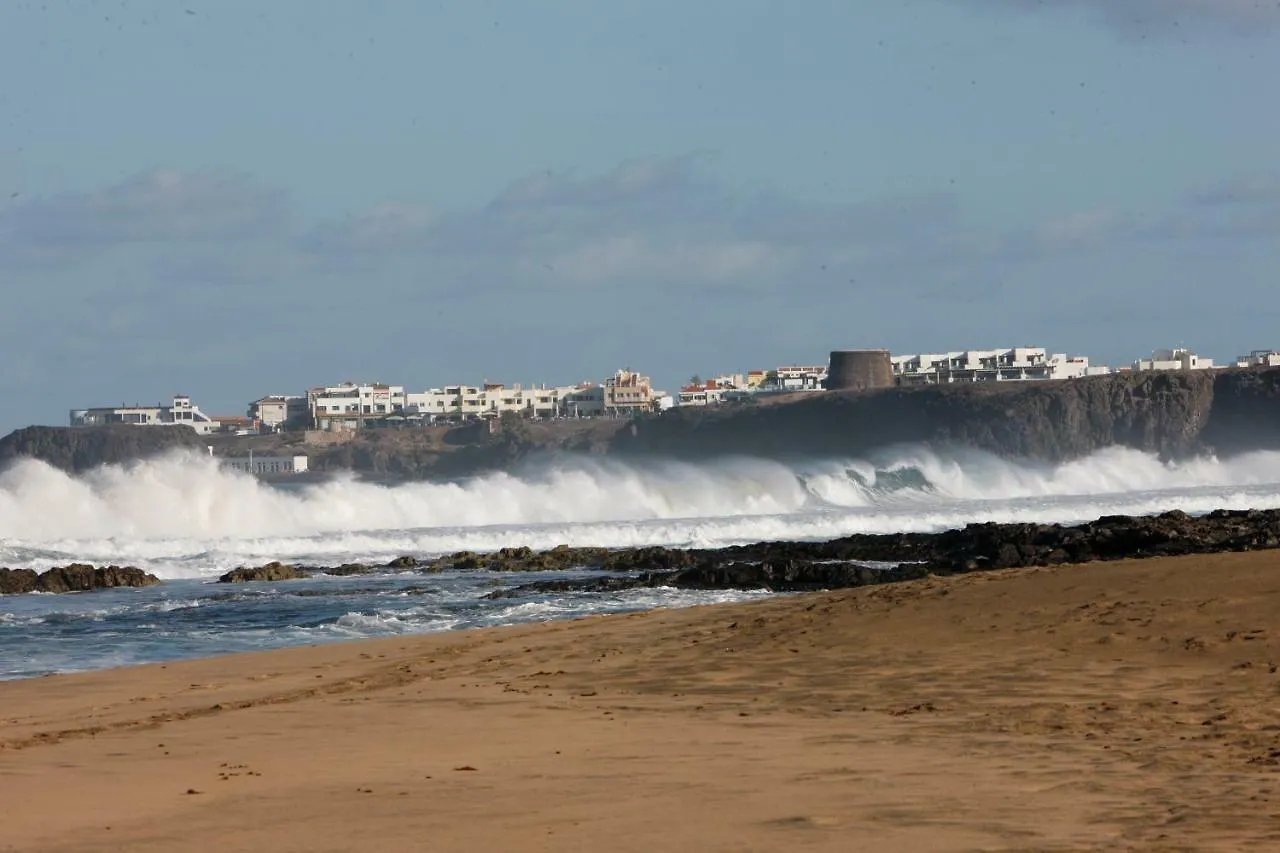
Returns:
point(187, 520)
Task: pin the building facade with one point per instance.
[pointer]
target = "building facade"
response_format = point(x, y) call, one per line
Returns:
point(180, 412)
point(710, 393)
point(280, 411)
point(1260, 358)
point(629, 393)
point(259, 465)
point(1015, 364)
point(462, 402)
point(1173, 359)
point(732, 387)
point(353, 405)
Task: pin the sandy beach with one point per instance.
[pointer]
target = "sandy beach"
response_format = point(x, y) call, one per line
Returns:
point(1120, 706)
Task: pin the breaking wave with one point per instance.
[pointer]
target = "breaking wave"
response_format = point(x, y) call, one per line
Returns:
point(182, 515)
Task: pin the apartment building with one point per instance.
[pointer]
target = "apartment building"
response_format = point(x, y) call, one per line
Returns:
point(353, 405)
point(629, 393)
point(994, 365)
point(465, 401)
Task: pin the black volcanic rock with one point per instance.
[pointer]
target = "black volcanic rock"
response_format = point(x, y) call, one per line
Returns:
point(273, 571)
point(840, 563)
point(77, 577)
point(17, 581)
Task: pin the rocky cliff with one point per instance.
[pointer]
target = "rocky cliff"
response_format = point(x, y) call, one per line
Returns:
point(79, 449)
point(1172, 414)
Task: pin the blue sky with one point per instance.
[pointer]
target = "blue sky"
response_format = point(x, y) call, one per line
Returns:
point(235, 198)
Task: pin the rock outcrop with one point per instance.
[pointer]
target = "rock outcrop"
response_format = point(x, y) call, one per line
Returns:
point(871, 559)
point(273, 571)
point(77, 449)
point(846, 562)
point(77, 577)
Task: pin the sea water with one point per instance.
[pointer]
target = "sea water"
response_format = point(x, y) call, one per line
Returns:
point(186, 520)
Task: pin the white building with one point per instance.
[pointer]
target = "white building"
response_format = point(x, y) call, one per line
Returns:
point(796, 378)
point(585, 401)
point(1173, 359)
point(709, 393)
point(352, 406)
point(280, 411)
point(259, 465)
point(730, 387)
point(460, 402)
point(1260, 358)
point(181, 412)
point(996, 365)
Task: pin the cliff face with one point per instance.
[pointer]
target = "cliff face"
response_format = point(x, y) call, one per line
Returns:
point(79, 449)
point(1172, 414)
point(1245, 413)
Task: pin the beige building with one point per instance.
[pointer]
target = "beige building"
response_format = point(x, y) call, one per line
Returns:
point(629, 393)
point(280, 411)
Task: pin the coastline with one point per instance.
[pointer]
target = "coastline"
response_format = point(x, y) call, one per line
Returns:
point(1118, 704)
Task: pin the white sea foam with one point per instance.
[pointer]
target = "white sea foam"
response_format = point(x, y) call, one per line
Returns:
point(182, 516)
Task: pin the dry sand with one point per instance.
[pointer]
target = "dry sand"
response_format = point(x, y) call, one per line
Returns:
point(1121, 706)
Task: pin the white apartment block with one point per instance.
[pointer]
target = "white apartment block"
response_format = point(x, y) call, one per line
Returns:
point(278, 411)
point(997, 365)
point(352, 405)
point(1260, 358)
point(467, 401)
point(797, 378)
point(625, 392)
point(1173, 359)
point(180, 412)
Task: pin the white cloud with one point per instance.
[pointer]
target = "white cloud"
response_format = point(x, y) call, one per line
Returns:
point(161, 206)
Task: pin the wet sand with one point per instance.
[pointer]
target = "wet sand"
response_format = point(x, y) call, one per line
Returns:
point(1118, 706)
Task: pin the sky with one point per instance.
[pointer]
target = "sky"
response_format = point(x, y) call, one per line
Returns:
point(235, 198)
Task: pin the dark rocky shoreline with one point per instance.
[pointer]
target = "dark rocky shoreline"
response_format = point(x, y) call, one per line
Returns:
point(850, 561)
point(77, 577)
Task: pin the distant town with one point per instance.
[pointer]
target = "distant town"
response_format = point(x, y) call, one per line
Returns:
point(373, 405)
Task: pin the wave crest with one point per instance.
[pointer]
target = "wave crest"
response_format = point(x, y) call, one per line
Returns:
point(182, 514)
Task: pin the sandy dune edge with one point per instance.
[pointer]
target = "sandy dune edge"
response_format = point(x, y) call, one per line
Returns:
point(1131, 705)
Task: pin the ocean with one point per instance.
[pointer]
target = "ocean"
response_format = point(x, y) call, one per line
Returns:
point(186, 520)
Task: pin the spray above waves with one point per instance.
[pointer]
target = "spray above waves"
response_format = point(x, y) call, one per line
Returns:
point(182, 495)
point(182, 515)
